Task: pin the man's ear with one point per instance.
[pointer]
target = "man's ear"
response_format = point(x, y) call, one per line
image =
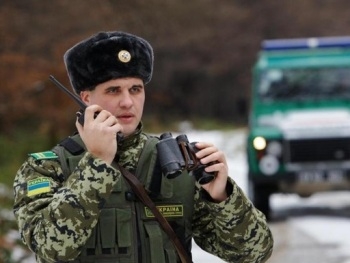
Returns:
point(85, 96)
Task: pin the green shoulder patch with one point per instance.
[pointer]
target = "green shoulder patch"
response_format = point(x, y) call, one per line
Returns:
point(44, 155)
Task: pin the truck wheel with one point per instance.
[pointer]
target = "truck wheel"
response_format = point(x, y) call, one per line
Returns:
point(260, 196)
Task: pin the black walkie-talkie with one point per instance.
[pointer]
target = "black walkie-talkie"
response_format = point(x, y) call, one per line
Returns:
point(80, 103)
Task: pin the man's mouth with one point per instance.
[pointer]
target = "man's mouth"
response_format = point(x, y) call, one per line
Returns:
point(125, 117)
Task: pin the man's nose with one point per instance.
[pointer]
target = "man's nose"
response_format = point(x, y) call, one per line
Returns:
point(126, 100)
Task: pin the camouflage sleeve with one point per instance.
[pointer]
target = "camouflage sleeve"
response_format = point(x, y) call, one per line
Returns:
point(233, 230)
point(56, 217)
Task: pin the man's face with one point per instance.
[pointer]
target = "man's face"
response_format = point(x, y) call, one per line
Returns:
point(123, 97)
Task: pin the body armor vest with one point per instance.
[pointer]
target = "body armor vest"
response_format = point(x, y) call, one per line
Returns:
point(127, 232)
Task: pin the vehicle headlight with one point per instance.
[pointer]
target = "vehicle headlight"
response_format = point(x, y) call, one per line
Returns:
point(259, 143)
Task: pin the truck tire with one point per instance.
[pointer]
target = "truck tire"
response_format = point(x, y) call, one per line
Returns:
point(260, 196)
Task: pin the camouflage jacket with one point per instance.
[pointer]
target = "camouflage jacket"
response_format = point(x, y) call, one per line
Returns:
point(56, 215)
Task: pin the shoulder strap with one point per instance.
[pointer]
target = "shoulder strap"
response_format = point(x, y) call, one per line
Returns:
point(68, 148)
point(140, 191)
point(72, 145)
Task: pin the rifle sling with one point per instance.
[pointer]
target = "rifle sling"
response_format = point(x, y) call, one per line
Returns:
point(140, 191)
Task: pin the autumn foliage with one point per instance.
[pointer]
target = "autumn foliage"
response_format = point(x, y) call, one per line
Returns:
point(204, 52)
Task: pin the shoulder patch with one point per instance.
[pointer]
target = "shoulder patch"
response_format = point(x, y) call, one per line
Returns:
point(38, 186)
point(44, 155)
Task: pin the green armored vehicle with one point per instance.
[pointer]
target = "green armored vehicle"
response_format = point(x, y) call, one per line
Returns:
point(299, 123)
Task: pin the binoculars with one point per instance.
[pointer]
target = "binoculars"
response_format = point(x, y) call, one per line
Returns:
point(178, 154)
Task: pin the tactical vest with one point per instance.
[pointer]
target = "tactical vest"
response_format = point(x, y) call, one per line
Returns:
point(127, 232)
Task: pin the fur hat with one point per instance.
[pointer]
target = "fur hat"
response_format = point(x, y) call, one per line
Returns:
point(106, 56)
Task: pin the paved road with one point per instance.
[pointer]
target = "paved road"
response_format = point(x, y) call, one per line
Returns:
point(292, 245)
point(317, 235)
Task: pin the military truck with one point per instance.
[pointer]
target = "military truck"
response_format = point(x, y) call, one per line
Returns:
point(299, 120)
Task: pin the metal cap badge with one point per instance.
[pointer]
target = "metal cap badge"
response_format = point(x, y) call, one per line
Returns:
point(124, 56)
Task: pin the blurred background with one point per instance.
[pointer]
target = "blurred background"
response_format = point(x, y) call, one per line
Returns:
point(204, 53)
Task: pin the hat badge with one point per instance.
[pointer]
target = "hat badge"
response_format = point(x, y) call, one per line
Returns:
point(124, 56)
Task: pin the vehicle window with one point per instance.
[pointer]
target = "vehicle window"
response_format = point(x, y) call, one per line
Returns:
point(304, 84)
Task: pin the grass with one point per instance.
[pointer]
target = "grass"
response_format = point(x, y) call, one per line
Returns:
point(15, 149)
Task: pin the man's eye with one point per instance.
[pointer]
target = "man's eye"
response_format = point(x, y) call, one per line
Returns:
point(135, 90)
point(112, 90)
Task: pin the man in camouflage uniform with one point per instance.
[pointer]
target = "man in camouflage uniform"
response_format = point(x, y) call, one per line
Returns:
point(72, 204)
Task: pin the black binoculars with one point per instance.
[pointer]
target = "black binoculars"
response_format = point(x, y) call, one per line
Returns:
point(178, 154)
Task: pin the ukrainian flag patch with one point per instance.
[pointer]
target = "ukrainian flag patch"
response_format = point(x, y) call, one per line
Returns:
point(38, 186)
point(44, 155)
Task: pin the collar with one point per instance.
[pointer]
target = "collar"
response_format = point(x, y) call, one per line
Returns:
point(132, 139)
